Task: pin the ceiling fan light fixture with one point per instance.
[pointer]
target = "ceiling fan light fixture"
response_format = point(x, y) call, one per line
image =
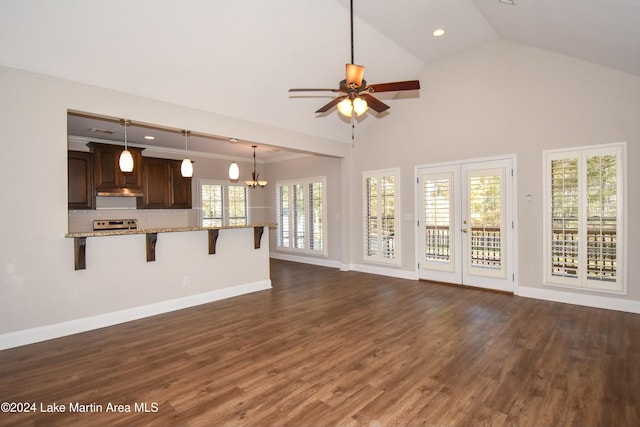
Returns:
point(345, 107)
point(360, 106)
point(353, 86)
point(348, 106)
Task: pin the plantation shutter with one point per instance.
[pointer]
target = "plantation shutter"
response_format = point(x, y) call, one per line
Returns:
point(585, 222)
point(380, 219)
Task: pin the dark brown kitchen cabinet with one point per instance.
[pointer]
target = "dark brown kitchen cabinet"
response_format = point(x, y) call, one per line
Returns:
point(81, 192)
point(163, 185)
point(109, 179)
point(156, 183)
point(180, 187)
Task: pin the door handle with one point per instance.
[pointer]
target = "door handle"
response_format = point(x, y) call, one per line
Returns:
point(464, 230)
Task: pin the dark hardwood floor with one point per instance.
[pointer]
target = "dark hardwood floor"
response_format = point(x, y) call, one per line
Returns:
point(331, 348)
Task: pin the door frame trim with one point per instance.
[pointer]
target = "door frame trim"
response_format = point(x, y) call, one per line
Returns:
point(514, 213)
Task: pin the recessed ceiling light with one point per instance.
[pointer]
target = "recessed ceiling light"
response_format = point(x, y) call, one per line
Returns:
point(509, 2)
point(439, 32)
point(149, 137)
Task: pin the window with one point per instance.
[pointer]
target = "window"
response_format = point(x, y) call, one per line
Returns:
point(223, 204)
point(381, 226)
point(301, 209)
point(584, 205)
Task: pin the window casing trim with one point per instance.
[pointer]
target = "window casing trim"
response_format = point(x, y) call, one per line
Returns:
point(225, 199)
point(305, 183)
point(379, 259)
point(619, 286)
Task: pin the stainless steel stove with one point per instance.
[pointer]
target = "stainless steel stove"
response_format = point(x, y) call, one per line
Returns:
point(115, 224)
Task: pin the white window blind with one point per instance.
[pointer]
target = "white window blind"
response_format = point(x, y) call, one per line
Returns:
point(437, 218)
point(584, 218)
point(223, 204)
point(301, 212)
point(237, 204)
point(381, 225)
point(211, 205)
point(283, 217)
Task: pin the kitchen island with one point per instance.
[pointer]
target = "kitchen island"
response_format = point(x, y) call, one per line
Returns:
point(80, 238)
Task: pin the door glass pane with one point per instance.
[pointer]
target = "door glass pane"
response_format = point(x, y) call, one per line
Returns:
point(437, 219)
point(485, 216)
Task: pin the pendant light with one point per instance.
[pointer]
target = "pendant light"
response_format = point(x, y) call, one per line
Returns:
point(186, 168)
point(234, 170)
point(126, 159)
point(255, 182)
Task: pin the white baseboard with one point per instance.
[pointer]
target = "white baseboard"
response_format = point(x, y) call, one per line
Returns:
point(383, 271)
point(595, 301)
point(322, 262)
point(57, 330)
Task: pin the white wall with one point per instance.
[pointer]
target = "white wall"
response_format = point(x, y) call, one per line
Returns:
point(38, 285)
point(505, 98)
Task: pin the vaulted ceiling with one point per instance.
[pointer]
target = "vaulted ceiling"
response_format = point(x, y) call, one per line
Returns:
point(239, 58)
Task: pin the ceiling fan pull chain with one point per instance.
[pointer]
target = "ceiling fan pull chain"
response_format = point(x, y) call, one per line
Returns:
point(353, 129)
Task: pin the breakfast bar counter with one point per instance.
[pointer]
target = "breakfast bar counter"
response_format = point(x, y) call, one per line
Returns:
point(80, 238)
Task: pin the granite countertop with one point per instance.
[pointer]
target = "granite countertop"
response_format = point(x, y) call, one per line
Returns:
point(98, 233)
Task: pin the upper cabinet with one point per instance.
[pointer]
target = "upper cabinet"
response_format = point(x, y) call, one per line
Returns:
point(163, 185)
point(109, 179)
point(156, 183)
point(80, 175)
point(180, 187)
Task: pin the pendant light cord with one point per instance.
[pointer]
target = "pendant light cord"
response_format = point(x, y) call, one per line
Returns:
point(125, 134)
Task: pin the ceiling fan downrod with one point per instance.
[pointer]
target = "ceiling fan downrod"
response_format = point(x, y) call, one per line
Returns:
point(352, 32)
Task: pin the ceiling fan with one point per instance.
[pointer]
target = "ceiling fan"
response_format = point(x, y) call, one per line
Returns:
point(355, 94)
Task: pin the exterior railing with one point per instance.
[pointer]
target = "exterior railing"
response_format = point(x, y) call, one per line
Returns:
point(601, 252)
point(486, 245)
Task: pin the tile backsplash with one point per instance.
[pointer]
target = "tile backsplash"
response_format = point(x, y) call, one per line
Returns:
point(82, 220)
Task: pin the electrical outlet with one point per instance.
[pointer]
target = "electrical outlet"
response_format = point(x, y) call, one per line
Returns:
point(186, 281)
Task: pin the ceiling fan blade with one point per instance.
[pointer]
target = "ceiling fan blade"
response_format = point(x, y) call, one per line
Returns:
point(313, 90)
point(331, 104)
point(355, 74)
point(374, 103)
point(395, 86)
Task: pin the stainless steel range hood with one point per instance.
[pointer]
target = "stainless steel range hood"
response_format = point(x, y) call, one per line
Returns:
point(119, 192)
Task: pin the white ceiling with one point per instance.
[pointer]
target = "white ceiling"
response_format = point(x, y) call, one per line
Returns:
point(239, 58)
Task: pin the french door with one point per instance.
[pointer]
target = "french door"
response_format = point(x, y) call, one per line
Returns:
point(465, 224)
